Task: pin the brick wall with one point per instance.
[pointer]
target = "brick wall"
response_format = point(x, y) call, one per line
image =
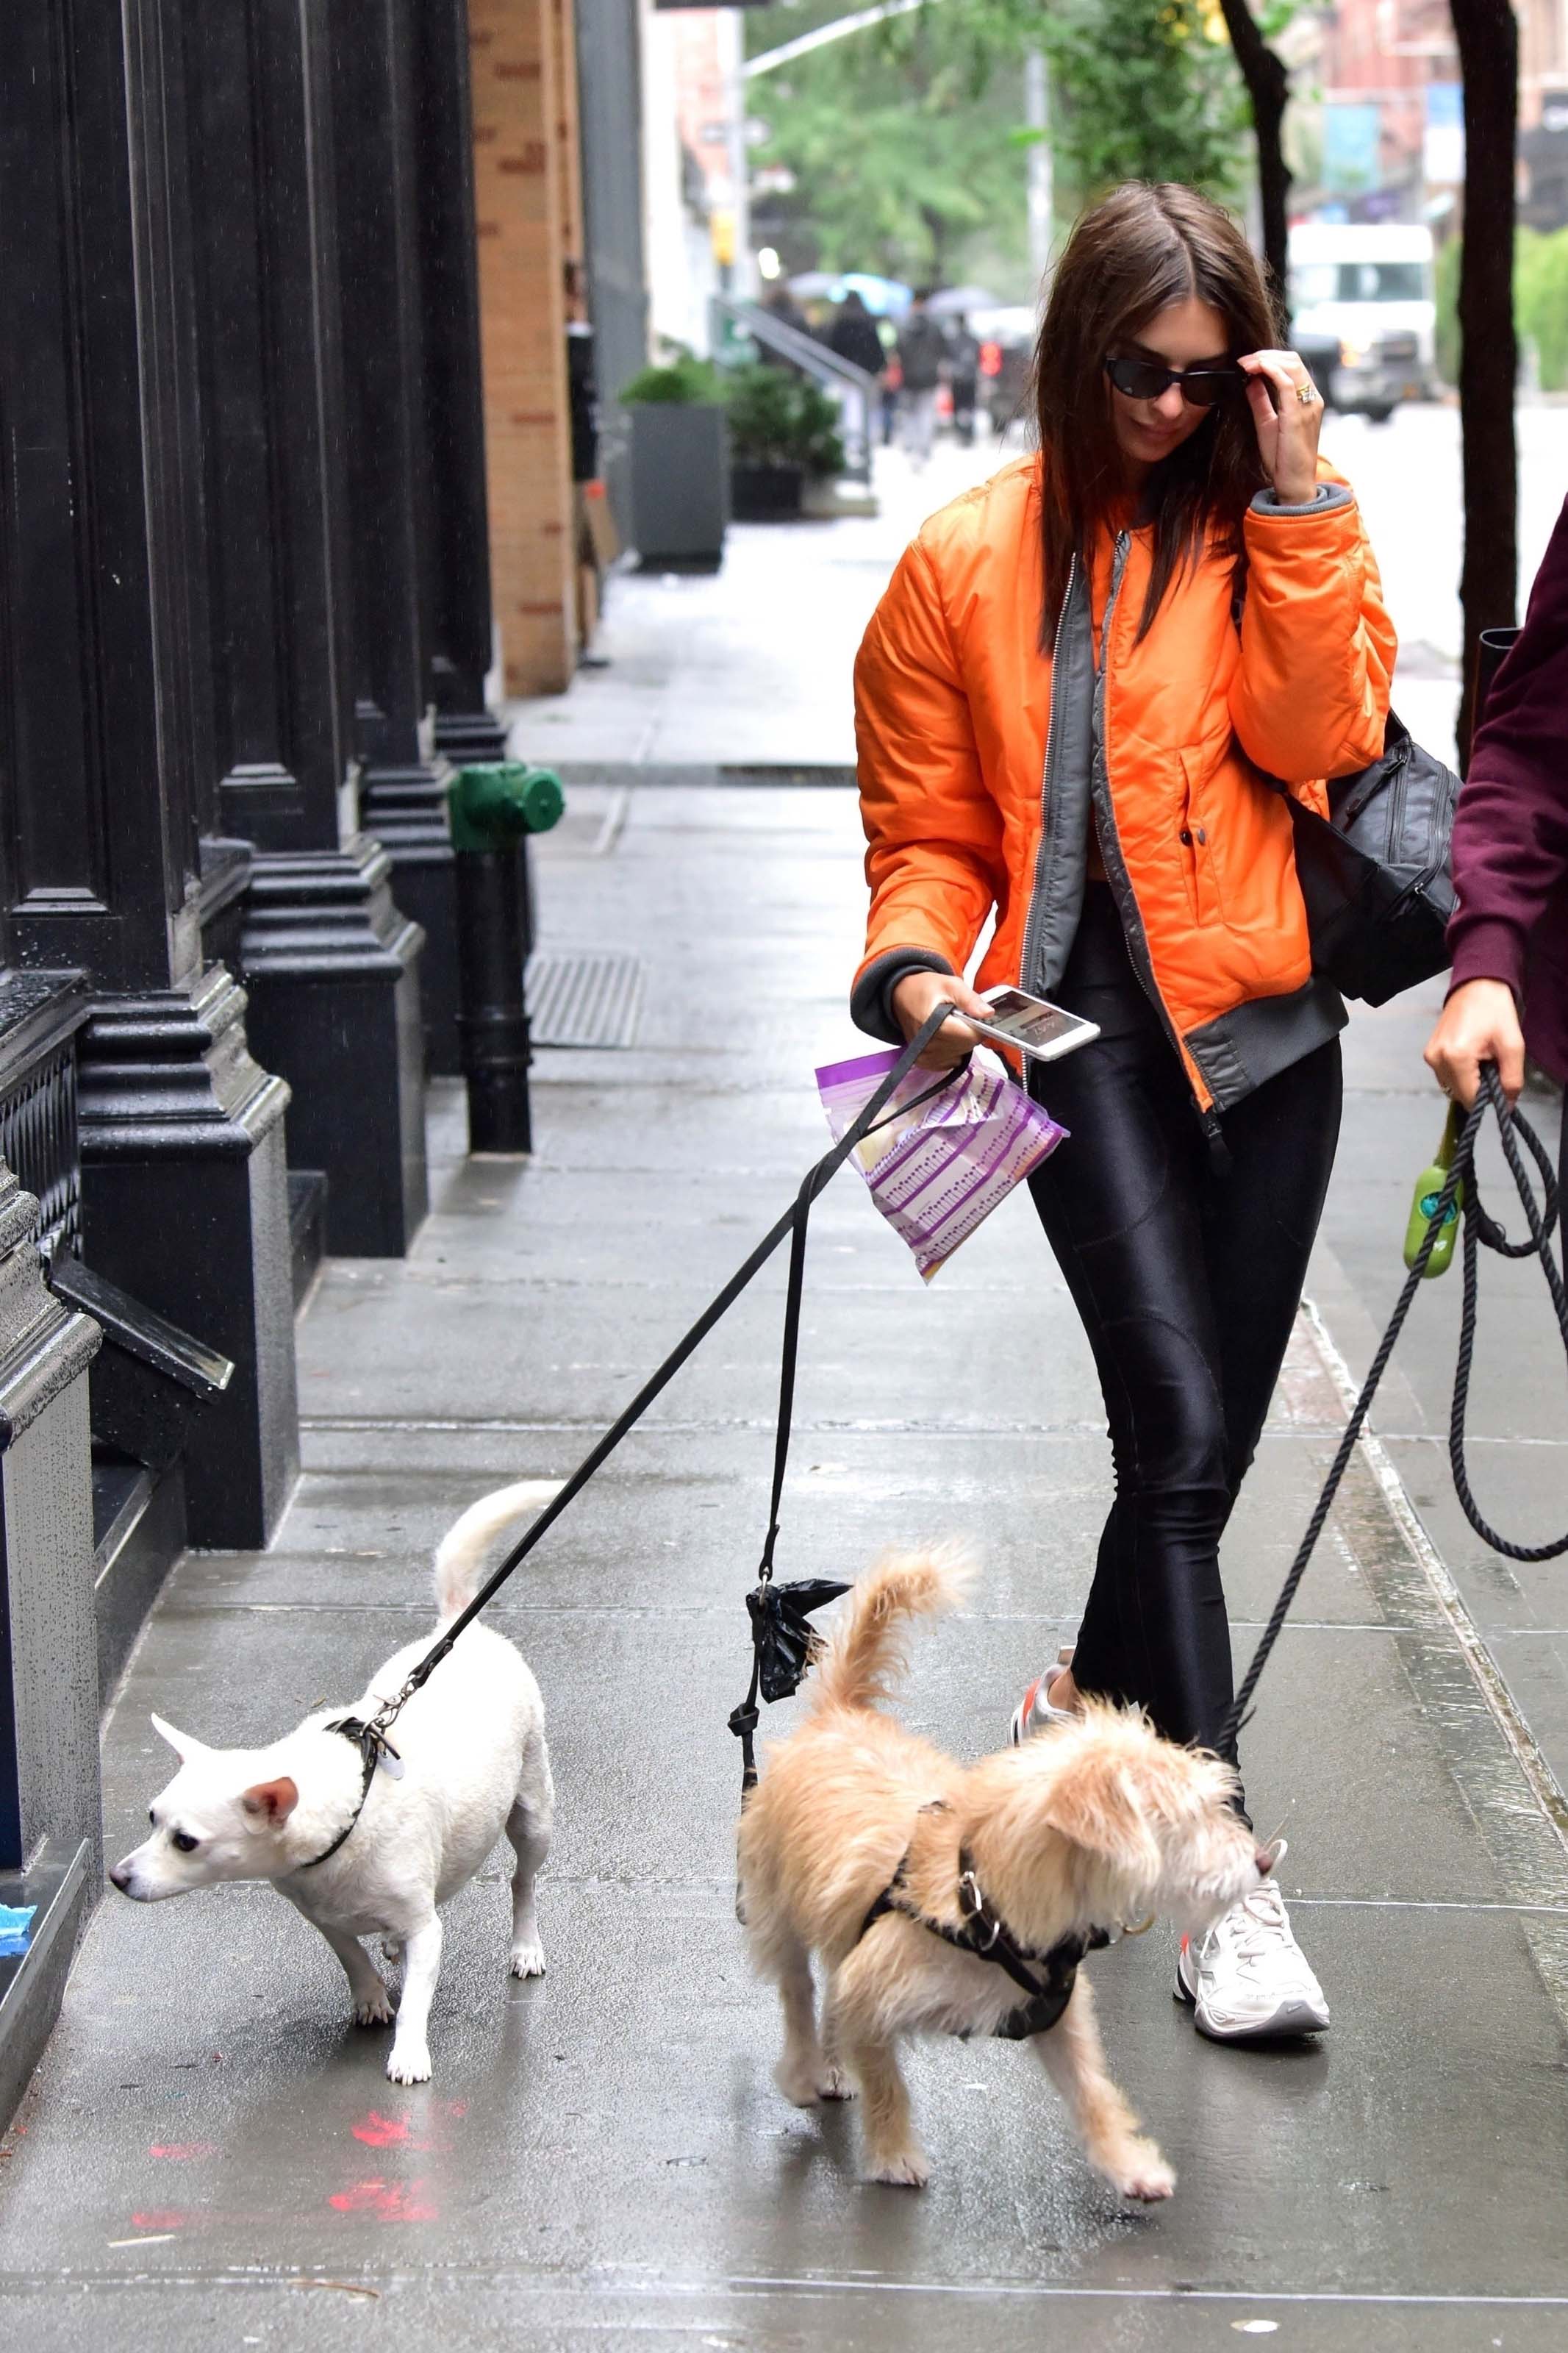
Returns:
point(526, 182)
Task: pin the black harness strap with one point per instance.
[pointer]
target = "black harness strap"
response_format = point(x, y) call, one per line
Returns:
point(371, 1743)
point(987, 1937)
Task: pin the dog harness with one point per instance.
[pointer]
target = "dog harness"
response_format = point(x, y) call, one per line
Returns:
point(1046, 1978)
point(375, 1748)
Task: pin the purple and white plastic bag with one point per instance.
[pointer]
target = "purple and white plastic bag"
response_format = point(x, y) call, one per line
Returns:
point(937, 1172)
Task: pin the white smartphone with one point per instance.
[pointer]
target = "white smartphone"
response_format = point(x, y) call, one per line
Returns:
point(1034, 1025)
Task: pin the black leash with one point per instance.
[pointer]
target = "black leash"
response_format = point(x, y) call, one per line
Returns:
point(772, 1608)
point(1479, 1228)
point(783, 1642)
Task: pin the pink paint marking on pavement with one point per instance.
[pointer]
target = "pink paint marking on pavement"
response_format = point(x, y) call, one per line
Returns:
point(182, 2151)
point(388, 2202)
point(381, 2132)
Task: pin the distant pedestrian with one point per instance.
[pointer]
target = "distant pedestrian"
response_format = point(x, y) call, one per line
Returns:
point(922, 347)
point(853, 335)
point(1088, 600)
point(1508, 937)
point(892, 386)
point(963, 375)
point(780, 304)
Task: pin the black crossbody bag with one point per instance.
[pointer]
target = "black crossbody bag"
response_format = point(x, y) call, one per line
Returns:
point(1374, 873)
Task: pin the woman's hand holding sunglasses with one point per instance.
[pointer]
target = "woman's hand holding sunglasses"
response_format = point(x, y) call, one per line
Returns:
point(1287, 416)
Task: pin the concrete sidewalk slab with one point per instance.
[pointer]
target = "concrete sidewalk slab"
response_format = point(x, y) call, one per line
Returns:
point(211, 2153)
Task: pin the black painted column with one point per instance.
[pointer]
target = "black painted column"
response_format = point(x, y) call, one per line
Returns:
point(456, 551)
point(403, 784)
point(109, 763)
point(330, 964)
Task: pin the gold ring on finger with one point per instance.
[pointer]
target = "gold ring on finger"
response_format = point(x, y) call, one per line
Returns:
point(1306, 394)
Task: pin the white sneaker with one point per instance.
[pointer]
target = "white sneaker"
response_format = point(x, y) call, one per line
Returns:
point(1248, 1976)
point(1033, 1710)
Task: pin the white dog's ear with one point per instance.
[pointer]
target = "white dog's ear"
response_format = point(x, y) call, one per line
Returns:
point(272, 1802)
point(1094, 1802)
point(182, 1743)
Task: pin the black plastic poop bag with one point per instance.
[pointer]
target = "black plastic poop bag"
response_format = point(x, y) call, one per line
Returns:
point(781, 1633)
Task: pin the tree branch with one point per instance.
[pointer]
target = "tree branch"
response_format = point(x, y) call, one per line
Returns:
point(1269, 88)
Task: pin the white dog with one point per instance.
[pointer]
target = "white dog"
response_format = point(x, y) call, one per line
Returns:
point(474, 1763)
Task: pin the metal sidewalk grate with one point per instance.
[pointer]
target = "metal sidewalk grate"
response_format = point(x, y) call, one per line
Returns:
point(584, 1000)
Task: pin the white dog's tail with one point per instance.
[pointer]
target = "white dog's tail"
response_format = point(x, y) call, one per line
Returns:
point(865, 1651)
point(460, 1555)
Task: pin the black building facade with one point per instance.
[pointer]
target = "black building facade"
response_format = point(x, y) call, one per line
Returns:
point(244, 619)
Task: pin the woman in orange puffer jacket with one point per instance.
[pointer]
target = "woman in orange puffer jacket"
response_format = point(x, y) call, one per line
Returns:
point(1079, 708)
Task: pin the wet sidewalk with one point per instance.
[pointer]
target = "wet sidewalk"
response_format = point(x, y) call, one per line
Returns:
point(211, 2156)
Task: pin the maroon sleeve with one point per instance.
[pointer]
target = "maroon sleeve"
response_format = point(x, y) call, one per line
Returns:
point(1510, 834)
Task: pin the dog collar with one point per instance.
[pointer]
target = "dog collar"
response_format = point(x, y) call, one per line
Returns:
point(375, 1748)
point(1045, 1979)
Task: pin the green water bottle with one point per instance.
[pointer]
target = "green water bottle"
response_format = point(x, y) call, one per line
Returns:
point(1428, 1192)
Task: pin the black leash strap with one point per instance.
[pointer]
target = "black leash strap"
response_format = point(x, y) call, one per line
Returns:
point(792, 1222)
point(1479, 1228)
point(794, 1288)
point(782, 1641)
point(743, 1719)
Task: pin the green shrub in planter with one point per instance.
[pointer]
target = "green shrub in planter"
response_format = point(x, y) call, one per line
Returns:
point(780, 419)
point(683, 381)
point(679, 469)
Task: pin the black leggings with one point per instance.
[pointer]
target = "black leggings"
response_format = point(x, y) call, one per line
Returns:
point(1187, 1279)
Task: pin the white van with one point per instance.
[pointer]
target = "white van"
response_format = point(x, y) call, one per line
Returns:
point(1367, 285)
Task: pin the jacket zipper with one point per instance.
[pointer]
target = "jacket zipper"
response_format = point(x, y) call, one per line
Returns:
point(1111, 851)
point(1028, 977)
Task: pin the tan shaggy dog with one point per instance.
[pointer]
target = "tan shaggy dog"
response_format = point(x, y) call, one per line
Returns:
point(1090, 1825)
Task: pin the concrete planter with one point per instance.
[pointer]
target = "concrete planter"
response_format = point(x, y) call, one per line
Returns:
point(680, 482)
point(766, 493)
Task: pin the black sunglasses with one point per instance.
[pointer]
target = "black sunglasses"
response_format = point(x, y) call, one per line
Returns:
point(1146, 380)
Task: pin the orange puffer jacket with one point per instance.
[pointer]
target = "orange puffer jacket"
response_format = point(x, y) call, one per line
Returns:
point(984, 764)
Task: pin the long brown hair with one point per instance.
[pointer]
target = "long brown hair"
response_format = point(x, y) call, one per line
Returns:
point(1146, 246)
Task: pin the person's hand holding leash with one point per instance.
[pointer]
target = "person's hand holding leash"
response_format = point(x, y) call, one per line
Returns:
point(1478, 1023)
point(916, 998)
point(1288, 421)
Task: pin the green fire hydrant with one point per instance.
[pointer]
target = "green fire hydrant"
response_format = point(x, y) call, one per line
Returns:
point(493, 808)
point(498, 804)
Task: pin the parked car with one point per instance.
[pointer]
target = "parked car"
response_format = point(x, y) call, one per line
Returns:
point(1361, 296)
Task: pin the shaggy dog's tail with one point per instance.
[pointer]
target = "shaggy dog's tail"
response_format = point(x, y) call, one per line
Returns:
point(854, 1668)
point(460, 1555)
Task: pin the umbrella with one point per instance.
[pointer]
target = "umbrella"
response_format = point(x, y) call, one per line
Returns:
point(957, 302)
point(880, 295)
point(815, 285)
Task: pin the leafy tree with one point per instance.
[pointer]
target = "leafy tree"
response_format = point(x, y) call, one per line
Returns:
point(1197, 126)
point(1141, 92)
point(905, 140)
point(899, 149)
